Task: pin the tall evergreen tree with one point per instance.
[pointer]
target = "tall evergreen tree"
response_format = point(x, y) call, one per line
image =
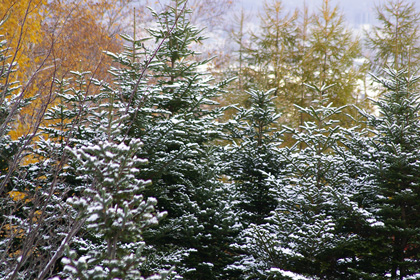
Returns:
point(46, 180)
point(74, 121)
point(388, 183)
point(105, 204)
point(172, 110)
point(253, 154)
point(251, 157)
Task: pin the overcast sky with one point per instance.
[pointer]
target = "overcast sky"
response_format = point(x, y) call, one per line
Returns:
point(356, 12)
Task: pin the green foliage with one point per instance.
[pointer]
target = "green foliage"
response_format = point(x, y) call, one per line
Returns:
point(395, 41)
point(138, 178)
point(174, 112)
point(292, 50)
point(252, 155)
point(389, 182)
point(114, 211)
point(305, 234)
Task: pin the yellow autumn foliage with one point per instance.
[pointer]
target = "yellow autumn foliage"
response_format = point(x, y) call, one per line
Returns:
point(23, 31)
point(17, 196)
point(48, 39)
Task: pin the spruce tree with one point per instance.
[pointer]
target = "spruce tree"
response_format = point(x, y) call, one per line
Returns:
point(252, 155)
point(113, 208)
point(105, 207)
point(304, 237)
point(45, 181)
point(388, 183)
point(172, 110)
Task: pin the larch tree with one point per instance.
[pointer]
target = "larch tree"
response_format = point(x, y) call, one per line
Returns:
point(291, 50)
point(335, 50)
point(209, 13)
point(305, 63)
point(271, 55)
point(238, 64)
point(395, 41)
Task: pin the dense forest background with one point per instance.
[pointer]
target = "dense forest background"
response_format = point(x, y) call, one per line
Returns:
point(134, 147)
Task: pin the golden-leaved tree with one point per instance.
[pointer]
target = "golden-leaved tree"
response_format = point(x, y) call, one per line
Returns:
point(23, 30)
point(51, 39)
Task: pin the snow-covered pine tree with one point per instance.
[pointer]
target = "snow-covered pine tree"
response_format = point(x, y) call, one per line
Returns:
point(252, 155)
point(303, 238)
point(171, 109)
point(100, 177)
point(388, 183)
point(70, 122)
point(113, 208)
point(182, 164)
